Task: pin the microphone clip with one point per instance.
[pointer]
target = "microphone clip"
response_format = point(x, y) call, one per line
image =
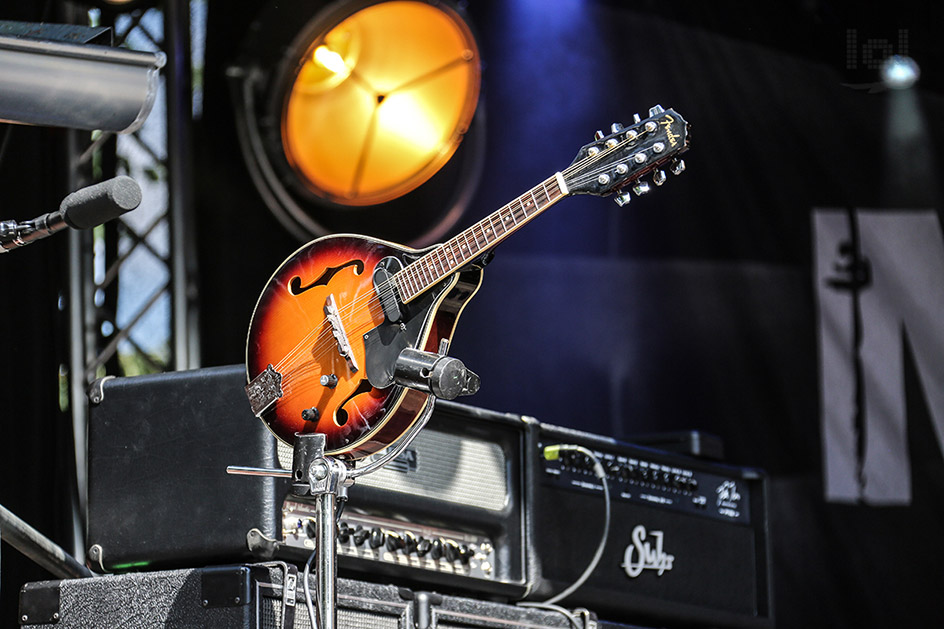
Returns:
point(446, 378)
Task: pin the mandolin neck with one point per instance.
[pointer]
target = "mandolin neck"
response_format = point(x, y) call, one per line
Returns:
point(418, 276)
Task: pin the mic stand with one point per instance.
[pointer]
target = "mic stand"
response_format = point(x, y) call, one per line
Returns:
point(327, 479)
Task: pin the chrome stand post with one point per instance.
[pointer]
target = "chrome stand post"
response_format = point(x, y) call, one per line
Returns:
point(327, 479)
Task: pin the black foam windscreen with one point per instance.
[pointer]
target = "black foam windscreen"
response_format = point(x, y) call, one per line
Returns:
point(101, 202)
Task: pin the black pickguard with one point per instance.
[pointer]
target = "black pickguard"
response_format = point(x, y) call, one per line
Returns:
point(383, 344)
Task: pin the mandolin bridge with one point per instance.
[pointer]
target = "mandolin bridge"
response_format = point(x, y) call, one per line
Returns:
point(264, 390)
point(340, 335)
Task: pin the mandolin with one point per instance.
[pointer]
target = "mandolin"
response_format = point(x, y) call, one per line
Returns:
point(333, 318)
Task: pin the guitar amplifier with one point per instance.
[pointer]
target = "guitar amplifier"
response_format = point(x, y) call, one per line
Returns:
point(447, 511)
point(687, 543)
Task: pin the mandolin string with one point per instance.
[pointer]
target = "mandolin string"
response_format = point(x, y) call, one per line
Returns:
point(591, 167)
point(383, 291)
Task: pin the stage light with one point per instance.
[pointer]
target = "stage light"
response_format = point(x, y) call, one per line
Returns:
point(900, 72)
point(80, 86)
point(363, 110)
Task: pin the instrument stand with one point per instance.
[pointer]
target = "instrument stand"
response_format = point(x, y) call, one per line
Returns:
point(327, 479)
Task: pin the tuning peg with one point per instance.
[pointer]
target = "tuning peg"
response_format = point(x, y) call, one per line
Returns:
point(636, 118)
point(623, 199)
point(616, 127)
point(598, 135)
point(658, 177)
point(678, 165)
point(655, 110)
point(641, 188)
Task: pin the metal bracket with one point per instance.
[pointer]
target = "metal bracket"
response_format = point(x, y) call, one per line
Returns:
point(39, 603)
point(264, 390)
point(225, 586)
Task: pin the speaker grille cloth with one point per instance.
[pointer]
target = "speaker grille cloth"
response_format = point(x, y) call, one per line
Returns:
point(347, 618)
point(442, 466)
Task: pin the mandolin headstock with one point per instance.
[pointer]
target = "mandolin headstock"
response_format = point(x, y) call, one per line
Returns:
point(613, 162)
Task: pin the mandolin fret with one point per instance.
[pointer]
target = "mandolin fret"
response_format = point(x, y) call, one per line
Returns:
point(452, 255)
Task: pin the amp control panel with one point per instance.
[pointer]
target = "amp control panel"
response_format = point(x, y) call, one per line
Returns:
point(650, 477)
point(395, 542)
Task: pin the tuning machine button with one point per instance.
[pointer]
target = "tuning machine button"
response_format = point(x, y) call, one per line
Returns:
point(599, 135)
point(636, 118)
point(641, 188)
point(655, 110)
point(677, 166)
point(623, 199)
point(616, 127)
point(658, 177)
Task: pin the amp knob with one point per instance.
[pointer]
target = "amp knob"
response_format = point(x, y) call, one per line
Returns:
point(394, 542)
point(376, 538)
point(437, 550)
point(360, 535)
point(409, 542)
point(451, 550)
point(423, 546)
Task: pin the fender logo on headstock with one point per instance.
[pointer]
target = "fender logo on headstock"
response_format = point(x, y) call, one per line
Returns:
point(667, 123)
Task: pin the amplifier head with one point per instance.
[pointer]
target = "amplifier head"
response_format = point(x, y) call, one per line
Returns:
point(447, 511)
point(687, 541)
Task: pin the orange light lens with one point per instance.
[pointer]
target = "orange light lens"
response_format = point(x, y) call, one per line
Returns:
point(381, 102)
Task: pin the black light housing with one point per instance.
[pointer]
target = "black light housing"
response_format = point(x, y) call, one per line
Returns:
point(363, 119)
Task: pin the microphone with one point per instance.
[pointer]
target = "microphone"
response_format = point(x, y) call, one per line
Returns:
point(82, 209)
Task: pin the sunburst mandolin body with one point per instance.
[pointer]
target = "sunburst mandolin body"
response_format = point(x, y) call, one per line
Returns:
point(291, 331)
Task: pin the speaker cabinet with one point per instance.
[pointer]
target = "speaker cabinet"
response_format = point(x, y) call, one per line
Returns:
point(254, 596)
